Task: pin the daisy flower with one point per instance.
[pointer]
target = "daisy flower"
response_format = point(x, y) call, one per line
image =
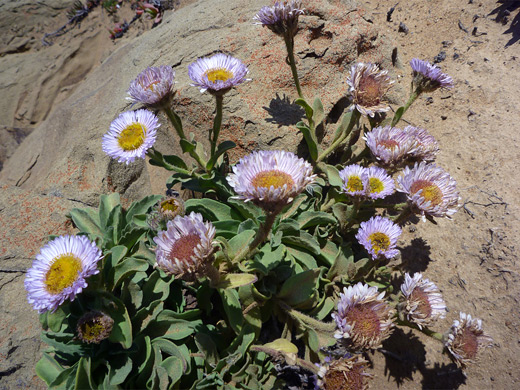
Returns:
point(390, 145)
point(379, 237)
point(379, 183)
point(218, 73)
point(425, 146)
point(346, 373)
point(368, 85)
point(270, 179)
point(423, 303)
point(130, 135)
point(354, 180)
point(429, 77)
point(363, 318)
point(60, 270)
point(430, 189)
point(281, 18)
point(153, 86)
point(467, 339)
point(94, 327)
point(185, 246)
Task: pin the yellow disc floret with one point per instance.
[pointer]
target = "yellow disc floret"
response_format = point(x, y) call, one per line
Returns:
point(379, 242)
point(430, 191)
point(354, 184)
point(273, 178)
point(218, 74)
point(132, 137)
point(375, 185)
point(62, 273)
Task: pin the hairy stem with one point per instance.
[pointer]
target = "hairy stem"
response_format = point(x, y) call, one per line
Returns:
point(353, 120)
point(217, 124)
point(289, 43)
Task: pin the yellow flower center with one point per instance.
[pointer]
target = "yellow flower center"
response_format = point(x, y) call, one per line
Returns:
point(366, 321)
point(354, 183)
point(423, 304)
point(430, 191)
point(184, 247)
point(169, 205)
point(132, 137)
point(375, 185)
point(92, 330)
point(273, 178)
point(379, 242)
point(218, 74)
point(62, 273)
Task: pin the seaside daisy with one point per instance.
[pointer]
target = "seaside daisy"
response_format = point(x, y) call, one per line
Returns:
point(186, 246)
point(281, 18)
point(354, 180)
point(217, 74)
point(345, 373)
point(425, 146)
point(60, 270)
point(153, 86)
point(429, 77)
point(379, 184)
point(368, 85)
point(270, 179)
point(467, 339)
point(390, 145)
point(423, 303)
point(94, 327)
point(379, 236)
point(130, 135)
point(430, 189)
point(363, 318)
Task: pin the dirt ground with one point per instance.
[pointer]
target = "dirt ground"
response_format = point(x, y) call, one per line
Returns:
point(472, 258)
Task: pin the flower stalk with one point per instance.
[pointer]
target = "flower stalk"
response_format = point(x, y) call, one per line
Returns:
point(289, 43)
point(353, 120)
point(217, 124)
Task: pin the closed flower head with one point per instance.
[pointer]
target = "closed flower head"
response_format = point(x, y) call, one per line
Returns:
point(423, 303)
point(379, 237)
point(368, 85)
point(130, 135)
point(466, 340)
point(346, 373)
point(94, 327)
point(430, 189)
point(217, 74)
point(281, 18)
point(186, 247)
point(428, 77)
point(425, 146)
point(363, 318)
point(60, 270)
point(270, 179)
point(153, 86)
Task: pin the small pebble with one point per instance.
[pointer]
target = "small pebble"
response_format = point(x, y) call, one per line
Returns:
point(403, 28)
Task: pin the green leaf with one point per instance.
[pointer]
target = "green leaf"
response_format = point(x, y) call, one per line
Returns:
point(319, 114)
point(122, 328)
point(226, 229)
point(207, 347)
point(141, 207)
point(303, 240)
point(211, 209)
point(314, 218)
point(174, 368)
point(65, 380)
point(302, 257)
point(126, 268)
point(343, 261)
point(171, 329)
point(343, 212)
point(118, 370)
point(293, 207)
point(63, 342)
point(333, 176)
point(86, 223)
point(324, 308)
point(343, 125)
point(187, 146)
point(144, 252)
point(238, 243)
point(168, 347)
point(397, 117)
point(233, 309)
point(48, 369)
point(329, 252)
point(106, 205)
point(221, 149)
point(267, 259)
point(83, 374)
point(236, 280)
point(311, 144)
point(300, 289)
point(55, 320)
point(115, 221)
point(247, 209)
point(169, 162)
point(308, 109)
point(282, 345)
point(130, 235)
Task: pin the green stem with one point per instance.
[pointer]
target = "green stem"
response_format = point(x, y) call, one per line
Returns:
point(217, 124)
point(328, 205)
point(177, 124)
point(276, 354)
point(289, 43)
point(260, 237)
point(353, 120)
point(413, 97)
point(317, 325)
point(357, 205)
point(403, 217)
